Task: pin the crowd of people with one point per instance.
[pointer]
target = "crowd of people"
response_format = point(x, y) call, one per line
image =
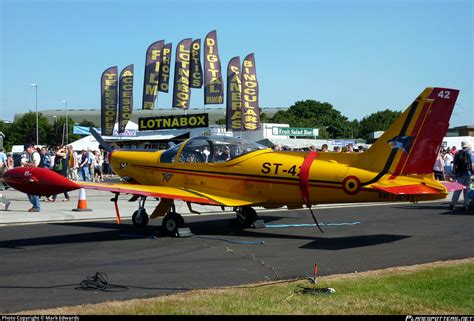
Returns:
point(349, 148)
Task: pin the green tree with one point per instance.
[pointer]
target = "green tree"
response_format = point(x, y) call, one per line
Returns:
point(23, 130)
point(220, 121)
point(312, 113)
point(378, 121)
point(87, 123)
point(57, 135)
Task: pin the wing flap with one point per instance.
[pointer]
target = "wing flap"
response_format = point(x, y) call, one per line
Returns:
point(453, 186)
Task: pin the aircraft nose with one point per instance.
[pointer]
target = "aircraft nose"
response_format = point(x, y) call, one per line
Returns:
point(18, 177)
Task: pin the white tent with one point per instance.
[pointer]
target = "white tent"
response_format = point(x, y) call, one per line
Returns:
point(85, 143)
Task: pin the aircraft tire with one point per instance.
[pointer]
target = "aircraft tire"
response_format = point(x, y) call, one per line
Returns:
point(140, 218)
point(171, 222)
point(246, 216)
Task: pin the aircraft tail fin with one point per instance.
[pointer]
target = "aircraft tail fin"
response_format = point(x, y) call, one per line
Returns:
point(410, 145)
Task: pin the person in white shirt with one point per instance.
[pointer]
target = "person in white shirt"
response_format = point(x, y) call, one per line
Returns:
point(438, 168)
point(448, 164)
point(32, 159)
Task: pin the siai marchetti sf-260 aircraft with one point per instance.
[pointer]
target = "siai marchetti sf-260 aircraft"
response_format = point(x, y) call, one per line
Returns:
point(226, 171)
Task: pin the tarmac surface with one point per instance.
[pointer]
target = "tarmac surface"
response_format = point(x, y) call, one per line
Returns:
point(46, 255)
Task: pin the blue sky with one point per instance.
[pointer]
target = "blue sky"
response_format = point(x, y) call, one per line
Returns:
point(360, 56)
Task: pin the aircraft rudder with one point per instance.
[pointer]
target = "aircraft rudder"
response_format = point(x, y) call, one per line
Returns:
point(410, 144)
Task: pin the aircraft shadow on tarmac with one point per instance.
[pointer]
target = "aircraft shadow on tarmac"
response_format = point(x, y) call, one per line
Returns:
point(222, 228)
point(349, 242)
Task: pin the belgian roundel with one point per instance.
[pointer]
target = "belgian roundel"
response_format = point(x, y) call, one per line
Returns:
point(351, 185)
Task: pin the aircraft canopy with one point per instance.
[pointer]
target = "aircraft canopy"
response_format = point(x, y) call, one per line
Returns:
point(209, 149)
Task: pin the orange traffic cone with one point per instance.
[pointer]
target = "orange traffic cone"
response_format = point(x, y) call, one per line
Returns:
point(82, 202)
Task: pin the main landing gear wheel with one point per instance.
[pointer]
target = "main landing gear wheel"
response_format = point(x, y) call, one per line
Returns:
point(246, 216)
point(140, 218)
point(171, 222)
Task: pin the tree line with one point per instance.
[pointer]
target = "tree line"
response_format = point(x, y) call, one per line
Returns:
point(23, 130)
point(330, 121)
point(306, 113)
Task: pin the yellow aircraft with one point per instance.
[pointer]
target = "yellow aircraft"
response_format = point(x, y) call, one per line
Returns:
point(226, 171)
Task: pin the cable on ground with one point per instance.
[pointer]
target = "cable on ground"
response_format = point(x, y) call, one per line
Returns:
point(310, 225)
point(100, 282)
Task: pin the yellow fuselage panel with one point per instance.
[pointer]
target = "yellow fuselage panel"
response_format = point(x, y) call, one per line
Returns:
point(272, 177)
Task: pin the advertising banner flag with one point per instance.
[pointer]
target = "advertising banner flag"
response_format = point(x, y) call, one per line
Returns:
point(250, 109)
point(213, 87)
point(108, 88)
point(196, 67)
point(165, 69)
point(152, 70)
point(181, 88)
point(125, 105)
point(234, 96)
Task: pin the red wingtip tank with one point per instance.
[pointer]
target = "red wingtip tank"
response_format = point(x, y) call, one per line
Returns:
point(38, 181)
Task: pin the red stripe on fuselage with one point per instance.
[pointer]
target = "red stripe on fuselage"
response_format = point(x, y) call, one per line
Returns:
point(304, 175)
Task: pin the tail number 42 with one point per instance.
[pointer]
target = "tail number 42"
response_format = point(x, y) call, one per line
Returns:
point(445, 94)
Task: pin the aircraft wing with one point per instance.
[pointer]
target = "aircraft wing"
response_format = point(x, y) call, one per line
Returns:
point(182, 194)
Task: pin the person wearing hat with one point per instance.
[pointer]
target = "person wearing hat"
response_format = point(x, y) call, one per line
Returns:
point(462, 170)
point(32, 159)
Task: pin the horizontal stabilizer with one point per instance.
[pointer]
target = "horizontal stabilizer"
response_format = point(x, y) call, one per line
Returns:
point(453, 186)
point(416, 189)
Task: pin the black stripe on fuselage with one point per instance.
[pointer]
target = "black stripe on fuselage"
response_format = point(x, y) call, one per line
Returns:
point(394, 151)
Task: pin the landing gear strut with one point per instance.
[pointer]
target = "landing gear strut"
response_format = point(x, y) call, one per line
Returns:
point(246, 215)
point(140, 217)
point(171, 221)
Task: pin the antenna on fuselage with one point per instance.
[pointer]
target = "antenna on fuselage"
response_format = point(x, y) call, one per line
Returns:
point(99, 138)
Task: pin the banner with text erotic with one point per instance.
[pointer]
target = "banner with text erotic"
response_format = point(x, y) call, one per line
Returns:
point(196, 67)
point(108, 88)
point(181, 89)
point(213, 87)
point(234, 96)
point(125, 104)
point(152, 70)
point(165, 68)
point(250, 109)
